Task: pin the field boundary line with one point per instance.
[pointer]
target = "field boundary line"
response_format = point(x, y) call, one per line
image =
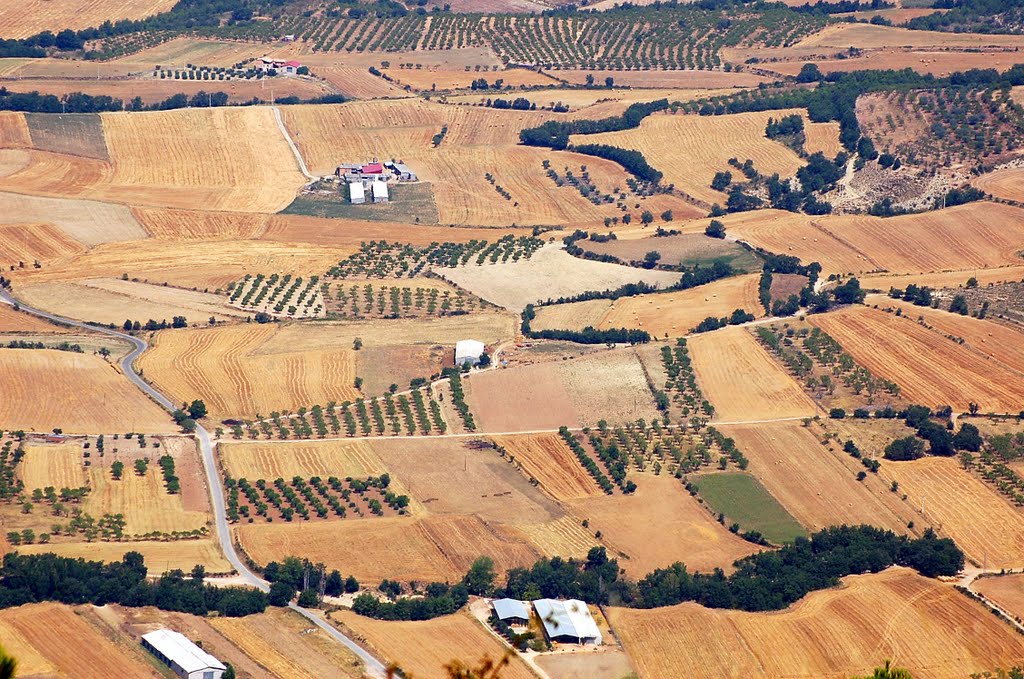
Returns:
point(291, 144)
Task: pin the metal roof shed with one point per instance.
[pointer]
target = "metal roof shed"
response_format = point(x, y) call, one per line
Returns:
point(183, 657)
point(510, 609)
point(568, 620)
point(356, 193)
point(468, 351)
point(380, 191)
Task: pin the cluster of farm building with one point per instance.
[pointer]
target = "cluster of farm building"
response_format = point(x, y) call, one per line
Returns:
point(372, 177)
point(567, 622)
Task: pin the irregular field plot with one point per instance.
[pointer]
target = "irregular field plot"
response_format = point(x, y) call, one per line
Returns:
point(180, 225)
point(237, 371)
point(929, 368)
point(78, 392)
point(109, 300)
point(922, 625)
point(81, 222)
point(58, 642)
point(434, 548)
point(18, 321)
point(690, 149)
point(423, 648)
point(22, 19)
point(547, 458)
point(549, 274)
point(952, 279)
point(867, 36)
point(28, 243)
point(812, 482)
point(1006, 183)
point(659, 525)
point(742, 380)
point(76, 134)
point(744, 500)
point(160, 556)
point(269, 460)
point(606, 385)
point(983, 524)
point(1005, 590)
point(686, 249)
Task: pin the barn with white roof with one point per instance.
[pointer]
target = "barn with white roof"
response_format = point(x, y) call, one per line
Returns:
point(468, 351)
point(567, 621)
point(184, 658)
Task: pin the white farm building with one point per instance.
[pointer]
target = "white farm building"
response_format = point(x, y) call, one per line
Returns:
point(380, 191)
point(183, 657)
point(468, 352)
point(356, 193)
point(568, 621)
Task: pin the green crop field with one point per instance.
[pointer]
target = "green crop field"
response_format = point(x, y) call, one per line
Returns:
point(745, 501)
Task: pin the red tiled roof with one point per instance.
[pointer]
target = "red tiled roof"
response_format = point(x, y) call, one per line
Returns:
point(373, 168)
point(293, 63)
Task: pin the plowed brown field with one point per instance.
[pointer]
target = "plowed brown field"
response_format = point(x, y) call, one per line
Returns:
point(61, 643)
point(232, 159)
point(659, 525)
point(22, 19)
point(231, 369)
point(547, 458)
point(814, 484)
point(14, 131)
point(690, 149)
point(80, 393)
point(961, 506)
point(423, 648)
point(922, 625)
point(743, 381)
point(929, 368)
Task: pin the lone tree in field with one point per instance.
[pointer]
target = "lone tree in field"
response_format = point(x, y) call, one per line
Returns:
point(197, 409)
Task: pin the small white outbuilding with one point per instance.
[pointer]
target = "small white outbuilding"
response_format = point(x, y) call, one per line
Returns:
point(468, 352)
point(380, 191)
point(184, 658)
point(356, 193)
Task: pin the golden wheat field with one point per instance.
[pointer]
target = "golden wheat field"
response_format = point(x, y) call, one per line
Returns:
point(80, 393)
point(743, 381)
point(234, 372)
point(917, 623)
point(1004, 183)
point(22, 19)
point(815, 484)
point(160, 556)
point(231, 159)
point(29, 243)
point(143, 501)
point(18, 321)
point(690, 149)
point(272, 460)
point(929, 368)
point(422, 648)
point(983, 523)
point(57, 465)
point(14, 132)
point(1006, 590)
point(178, 225)
point(51, 640)
point(547, 458)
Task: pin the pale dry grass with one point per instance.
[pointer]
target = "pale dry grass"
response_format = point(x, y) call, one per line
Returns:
point(982, 522)
point(143, 501)
point(239, 373)
point(868, 36)
point(690, 149)
point(22, 19)
point(423, 648)
point(85, 221)
point(564, 537)
point(57, 465)
point(743, 381)
point(23, 322)
point(160, 556)
point(307, 458)
point(929, 368)
point(231, 159)
point(658, 525)
point(80, 393)
point(923, 625)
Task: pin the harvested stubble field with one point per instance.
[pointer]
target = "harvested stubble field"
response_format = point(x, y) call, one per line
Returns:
point(160, 556)
point(22, 19)
point(80, 393)
point(550, 273)
point(743, 381)
point(242, 371)
point(24, 244)
point(982, 522)
point(579, 666)
point(54, 641)
point(973, 236)
point(423, 648)
point(263, 460)
point(1006, 183)
point(995, 340)
point(1006, 590)
point(684, 79)
point(870, 36)
point(448, 477)
point(57, 465)
point(921, 624)
point(690, 149)
point(81, 222)
point(929, 368)
point(434, 548)
point(440, 79)
point(179, 225)
point(822, 138)
point(16, 321)
point(815, 483)
point(231, 159)
point(607, 385)
point(14, 131)
point(590, 101)
point(952, 279)
point(282, 642)
point(547, 458)
point(112, 300)
point(937, 63)
point(658, 525)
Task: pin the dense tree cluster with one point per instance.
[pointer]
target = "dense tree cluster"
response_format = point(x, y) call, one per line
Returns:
point(712, 323)
point(77, 102)
point(48, 577)
point(589, 334)
point(632, 161)
point(555, 133)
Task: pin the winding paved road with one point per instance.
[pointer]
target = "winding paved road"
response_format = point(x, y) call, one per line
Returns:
point(373, 666)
